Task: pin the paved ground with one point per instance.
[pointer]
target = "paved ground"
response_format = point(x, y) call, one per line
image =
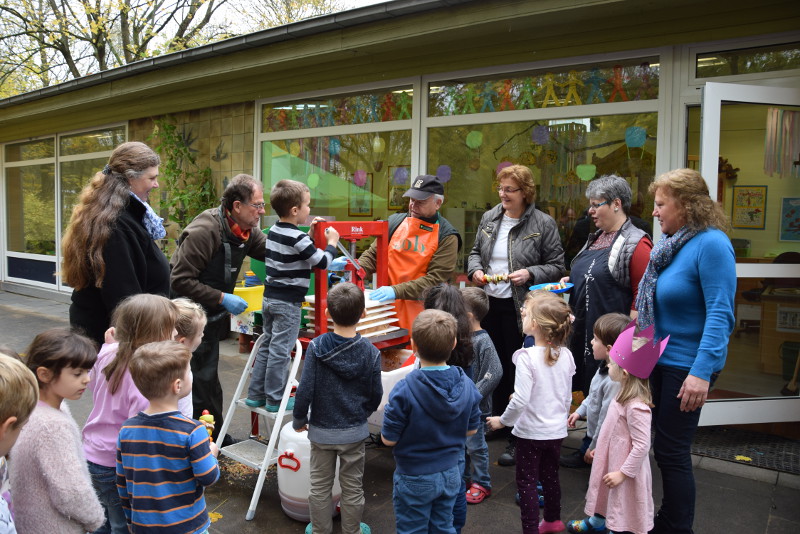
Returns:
point(730, 497)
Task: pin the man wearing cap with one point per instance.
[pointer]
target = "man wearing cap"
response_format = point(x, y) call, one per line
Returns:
point(423, 250)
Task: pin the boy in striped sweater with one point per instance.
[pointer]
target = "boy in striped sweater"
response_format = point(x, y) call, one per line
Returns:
point(291, 255)
point(164, 459)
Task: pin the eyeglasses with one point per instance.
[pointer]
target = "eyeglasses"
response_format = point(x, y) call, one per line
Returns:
point(593, 206)
point(259, 206)
point(508, 190)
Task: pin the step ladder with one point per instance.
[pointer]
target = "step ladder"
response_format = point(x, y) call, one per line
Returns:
point(252, 452)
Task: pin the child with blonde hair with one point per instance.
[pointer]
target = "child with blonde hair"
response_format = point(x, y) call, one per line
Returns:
point(620, 486)
point(18, 396)
point(52, 488)
point(190, 326)
point(539, 408)
point(138, 320)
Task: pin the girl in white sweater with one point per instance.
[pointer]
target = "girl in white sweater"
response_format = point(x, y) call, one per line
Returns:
point(49, 476)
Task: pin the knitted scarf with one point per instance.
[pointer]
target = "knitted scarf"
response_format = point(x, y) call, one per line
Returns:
point(660, 257)
point(152, 222)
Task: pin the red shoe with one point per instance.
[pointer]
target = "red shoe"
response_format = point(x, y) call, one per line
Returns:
point(546, 527)
point(477, 493)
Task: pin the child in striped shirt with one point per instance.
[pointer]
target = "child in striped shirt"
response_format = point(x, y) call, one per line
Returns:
point(164, 459)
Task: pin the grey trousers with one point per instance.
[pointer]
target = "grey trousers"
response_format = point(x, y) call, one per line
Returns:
point(351, 473)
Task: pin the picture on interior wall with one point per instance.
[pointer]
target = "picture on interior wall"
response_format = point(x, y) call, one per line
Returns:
point(360, 201)
point(790, 219)
point(398, 177)
point(749, 206)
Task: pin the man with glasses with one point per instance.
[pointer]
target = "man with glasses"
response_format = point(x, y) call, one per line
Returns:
point(205, 268)
point(423, 250)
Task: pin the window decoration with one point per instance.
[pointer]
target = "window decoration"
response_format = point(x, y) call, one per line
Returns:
point(749, 206)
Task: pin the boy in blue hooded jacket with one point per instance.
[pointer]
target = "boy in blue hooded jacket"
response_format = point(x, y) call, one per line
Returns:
point(428, 417)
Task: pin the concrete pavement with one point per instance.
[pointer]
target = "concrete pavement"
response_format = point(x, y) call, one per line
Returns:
point(730, 498)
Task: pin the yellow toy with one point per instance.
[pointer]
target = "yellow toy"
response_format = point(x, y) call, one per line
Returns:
point(208, 418)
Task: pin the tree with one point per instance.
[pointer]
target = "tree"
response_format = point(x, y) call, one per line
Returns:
point(50, 41)
point(270, 13)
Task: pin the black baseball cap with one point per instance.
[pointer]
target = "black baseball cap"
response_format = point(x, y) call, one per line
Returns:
point(424, 186)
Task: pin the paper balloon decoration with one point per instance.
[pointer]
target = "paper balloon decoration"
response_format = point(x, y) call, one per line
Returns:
point(334, 147)
point(474, 139)
point(502, 165)
point(378, 144)
point(360, 178)
point(540, 135)
point(400, 176)
point(294, 148)
point(313, 180)
point(444, 173)
point(586, 171)
point(635, 136)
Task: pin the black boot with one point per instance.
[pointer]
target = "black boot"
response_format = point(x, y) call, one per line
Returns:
point(509, 457)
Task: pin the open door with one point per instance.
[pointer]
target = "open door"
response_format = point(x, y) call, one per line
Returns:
point(753, 128)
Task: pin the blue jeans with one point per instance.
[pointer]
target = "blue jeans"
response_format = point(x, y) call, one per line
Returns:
point(424, 503)
point(271, 370)
point(478, 458)
point(672, 447)
point(104, 480)
point(460, 506)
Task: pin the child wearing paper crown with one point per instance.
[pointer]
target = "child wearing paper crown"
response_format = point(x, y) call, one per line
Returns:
point(620, 486)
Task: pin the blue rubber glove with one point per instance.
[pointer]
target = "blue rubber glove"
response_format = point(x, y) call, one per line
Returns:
point(337, 264)
point(383, 294)
point(233, 304)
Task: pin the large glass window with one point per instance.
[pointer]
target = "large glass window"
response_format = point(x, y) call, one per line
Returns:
point(748, 60)
point(563, 155)
point(30, 204)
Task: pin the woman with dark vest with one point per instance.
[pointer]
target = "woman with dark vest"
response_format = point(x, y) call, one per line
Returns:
point(606, 274)
point(109, 248)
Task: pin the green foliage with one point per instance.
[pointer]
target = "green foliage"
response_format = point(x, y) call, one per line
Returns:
point(187, 188)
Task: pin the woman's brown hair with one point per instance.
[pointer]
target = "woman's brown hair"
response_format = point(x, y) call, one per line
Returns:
point(137, 320)
point(96, 213)
point(690, 191)
point(524, 179)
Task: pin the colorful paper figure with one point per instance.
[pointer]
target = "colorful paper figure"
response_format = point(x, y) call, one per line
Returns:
point(282, 119)
point(330, 117)
point(306, 116)
point(388, 107)
point(488, 94)
point(293, 118)
point(550, 90)
point(444, 173)
point(506, 96)
point(374, 108)
point(528, 93)
point(469, 100)
point(360, 178)
point(617, 80)
point(572, 91)
point(594, 81)
point(450, 96)
point(358, 110)
point(403, 106)
point(401, 176)
point(646, 88)
point(319, 114)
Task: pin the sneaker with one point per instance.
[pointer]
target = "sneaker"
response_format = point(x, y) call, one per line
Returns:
point(364, 529)
point(541, 498)
point(228, 440)
point(273, 408)
point(547, 527)
point(573, 461)
point(582, 525)
point(253, 403)
point(477, 493)
point(509, 457)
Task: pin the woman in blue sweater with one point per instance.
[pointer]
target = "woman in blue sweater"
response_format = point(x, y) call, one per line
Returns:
point(687, 291)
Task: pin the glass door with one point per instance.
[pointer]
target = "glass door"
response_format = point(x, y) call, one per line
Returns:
point(749, 140)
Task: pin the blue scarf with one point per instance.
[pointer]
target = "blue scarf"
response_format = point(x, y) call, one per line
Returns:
point(152, 222)
point(660, 257)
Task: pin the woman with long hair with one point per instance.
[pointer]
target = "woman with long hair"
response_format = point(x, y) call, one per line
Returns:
point(109, 248)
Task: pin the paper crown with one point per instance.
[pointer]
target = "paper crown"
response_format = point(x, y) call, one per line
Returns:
point(639, 362)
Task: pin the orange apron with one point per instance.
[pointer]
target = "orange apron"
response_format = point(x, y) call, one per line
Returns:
point(410, 251)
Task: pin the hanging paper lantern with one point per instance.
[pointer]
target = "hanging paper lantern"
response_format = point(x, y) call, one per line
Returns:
point(294, 148)
point(502, 165)
point(635, 136)
point(360, 178)
point(540, 135)
point(474, 139)
point(334, 147)
point(378, 144)
point(444, 173)
point(586, 171)
point(475, 164)
point(400, 176)
point(313, 180)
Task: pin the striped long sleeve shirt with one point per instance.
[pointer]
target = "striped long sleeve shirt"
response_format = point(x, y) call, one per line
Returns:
point(163, 464)
point(291, 255)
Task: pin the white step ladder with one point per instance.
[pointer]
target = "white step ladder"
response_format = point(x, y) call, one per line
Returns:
point(251, 452)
